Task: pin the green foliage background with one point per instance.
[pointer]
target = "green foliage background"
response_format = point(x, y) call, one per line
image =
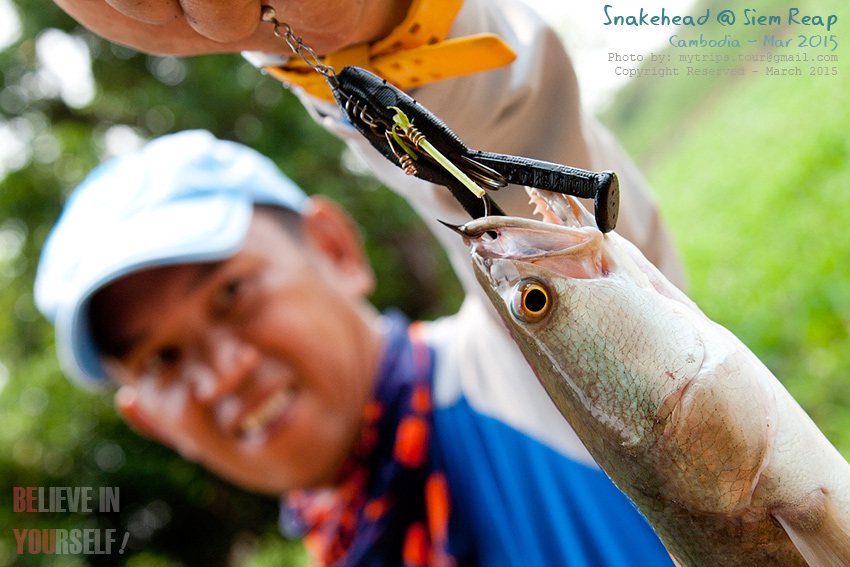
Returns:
point(53, 434)
point(751, 175)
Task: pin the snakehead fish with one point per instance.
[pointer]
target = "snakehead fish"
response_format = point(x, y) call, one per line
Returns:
point(684, 418)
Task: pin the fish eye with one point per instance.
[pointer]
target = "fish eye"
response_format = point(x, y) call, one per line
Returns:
point(531, 301)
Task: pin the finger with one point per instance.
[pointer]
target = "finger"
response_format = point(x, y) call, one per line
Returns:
point(149, 11)
point(223, 20)
point(176, 37)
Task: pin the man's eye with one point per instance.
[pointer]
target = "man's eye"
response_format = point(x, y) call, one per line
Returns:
point(234, 297)
point(162, 363)
point(167, 356)
point(228, 295)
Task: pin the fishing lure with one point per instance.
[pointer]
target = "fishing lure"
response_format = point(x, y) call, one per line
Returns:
point(417, 141)
point(402, 121)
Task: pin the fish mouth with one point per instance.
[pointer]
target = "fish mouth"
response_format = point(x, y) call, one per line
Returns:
point(552, 208)
point(565, 239)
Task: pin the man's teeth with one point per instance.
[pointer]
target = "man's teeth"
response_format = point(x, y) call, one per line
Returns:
point(266, 413)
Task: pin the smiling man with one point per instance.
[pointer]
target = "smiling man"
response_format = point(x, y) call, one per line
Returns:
point(231, 312)
point(238, 337)
point(222, 362)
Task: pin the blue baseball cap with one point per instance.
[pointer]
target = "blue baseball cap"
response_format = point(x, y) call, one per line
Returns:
point(185, 197)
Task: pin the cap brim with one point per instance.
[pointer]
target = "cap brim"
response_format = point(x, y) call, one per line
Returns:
point(198, 230)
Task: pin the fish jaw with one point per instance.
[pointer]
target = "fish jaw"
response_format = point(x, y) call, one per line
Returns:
point(575, 252)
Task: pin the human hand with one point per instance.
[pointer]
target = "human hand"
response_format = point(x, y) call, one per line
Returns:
point(192, 27)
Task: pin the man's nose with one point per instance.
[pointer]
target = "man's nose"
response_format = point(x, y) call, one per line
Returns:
point(229, 361)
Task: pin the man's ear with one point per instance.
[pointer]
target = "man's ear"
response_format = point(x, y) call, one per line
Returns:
point(128, 407)
point(330, 230)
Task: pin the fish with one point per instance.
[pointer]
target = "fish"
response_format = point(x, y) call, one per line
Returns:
point(685, 420)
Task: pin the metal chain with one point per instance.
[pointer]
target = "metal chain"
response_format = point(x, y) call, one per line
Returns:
point(284, 31)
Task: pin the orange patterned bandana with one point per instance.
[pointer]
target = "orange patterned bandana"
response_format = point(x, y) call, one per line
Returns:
point(391, 506)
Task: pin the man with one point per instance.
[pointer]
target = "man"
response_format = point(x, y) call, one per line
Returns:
point(231, 311)
point(494, 426)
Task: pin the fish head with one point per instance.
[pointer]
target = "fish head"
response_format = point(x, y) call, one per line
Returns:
point(528, 267)
point(603, 330)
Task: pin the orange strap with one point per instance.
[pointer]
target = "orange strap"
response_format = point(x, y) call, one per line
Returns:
point(415, 53)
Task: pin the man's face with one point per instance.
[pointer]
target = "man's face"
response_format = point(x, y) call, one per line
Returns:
point(257, 366)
